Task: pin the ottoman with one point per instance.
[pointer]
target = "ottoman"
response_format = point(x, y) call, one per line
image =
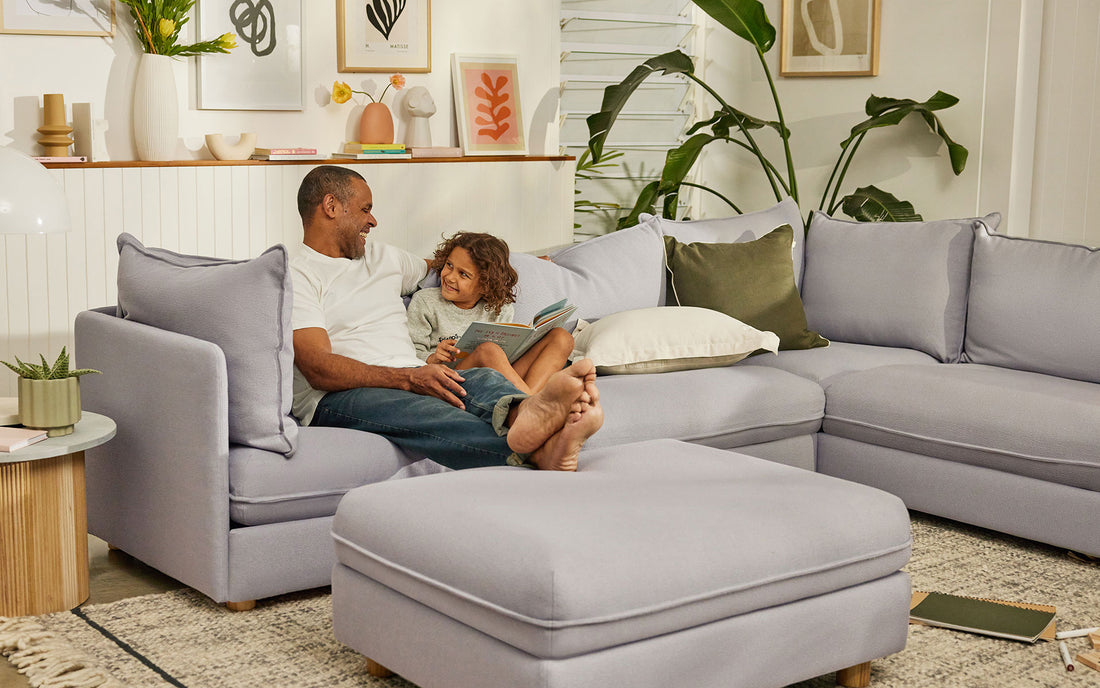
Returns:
point(657, 564)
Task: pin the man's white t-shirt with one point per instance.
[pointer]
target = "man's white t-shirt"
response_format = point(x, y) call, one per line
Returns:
point(358, 302)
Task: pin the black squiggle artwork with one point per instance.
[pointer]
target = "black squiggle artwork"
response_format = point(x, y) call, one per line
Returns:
point(255, 24)
point(383, 15)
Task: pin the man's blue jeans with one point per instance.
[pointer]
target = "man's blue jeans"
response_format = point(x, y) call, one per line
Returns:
point(448, 435)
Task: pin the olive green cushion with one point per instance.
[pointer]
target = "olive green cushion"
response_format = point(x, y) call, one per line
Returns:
point(752, 281)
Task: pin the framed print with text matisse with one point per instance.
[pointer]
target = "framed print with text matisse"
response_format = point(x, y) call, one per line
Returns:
point(383, 36)
point(487, 104)
point(830, 37)
point(50, 17)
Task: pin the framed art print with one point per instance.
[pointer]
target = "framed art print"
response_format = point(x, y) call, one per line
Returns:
point(50, 17)
point(264, 71)
point(829, 37)
point(487, 104)
point(383, 36)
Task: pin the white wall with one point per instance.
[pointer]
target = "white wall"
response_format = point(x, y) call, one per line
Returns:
point(102, 71)
point(965, 47)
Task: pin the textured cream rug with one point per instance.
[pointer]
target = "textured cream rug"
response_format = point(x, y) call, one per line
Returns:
point(180, 638)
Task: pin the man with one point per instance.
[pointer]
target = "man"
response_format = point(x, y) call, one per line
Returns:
point(356, 366)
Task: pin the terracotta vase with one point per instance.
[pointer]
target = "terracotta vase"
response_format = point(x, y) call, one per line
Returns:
point(376, 124)
point(156, 109)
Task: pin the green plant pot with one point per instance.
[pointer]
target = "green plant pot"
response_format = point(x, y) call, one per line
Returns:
point(51, 405)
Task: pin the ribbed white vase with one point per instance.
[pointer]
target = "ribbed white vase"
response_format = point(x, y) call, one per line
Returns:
point(156, 109)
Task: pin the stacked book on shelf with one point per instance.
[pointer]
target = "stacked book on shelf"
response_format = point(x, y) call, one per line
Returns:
point(354, 150)
point(286, 154)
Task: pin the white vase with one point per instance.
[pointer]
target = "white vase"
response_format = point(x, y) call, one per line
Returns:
point(156, 109)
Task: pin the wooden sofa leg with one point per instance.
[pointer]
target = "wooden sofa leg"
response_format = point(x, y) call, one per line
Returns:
point(858, 676)
point(377, 670)
point(241, 606)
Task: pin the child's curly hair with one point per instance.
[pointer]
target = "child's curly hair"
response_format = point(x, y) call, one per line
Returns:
point(490, 255)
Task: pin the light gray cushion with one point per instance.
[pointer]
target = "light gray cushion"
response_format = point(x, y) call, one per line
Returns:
point(645, 539)
point(890, 283)
point(1033, 306)
point(266, 488)
point(738, 228)
point(243, 306)
point(1019, 422)
point(616, 272)
point(719, 407)
point(822, 365)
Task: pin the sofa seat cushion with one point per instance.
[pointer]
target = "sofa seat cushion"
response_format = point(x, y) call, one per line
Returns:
point(265, 487)
point(1019, 422)
point(821, 365)
point(645, 539)
point(719, 407)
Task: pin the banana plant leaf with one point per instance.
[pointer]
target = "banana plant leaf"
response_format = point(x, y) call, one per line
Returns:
point(746, 18)
point(871, 204)
point(615, 96)
point(722, 123)
point(647, 199)
point(884, 112)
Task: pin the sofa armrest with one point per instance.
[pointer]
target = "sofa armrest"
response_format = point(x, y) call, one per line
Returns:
point(160, 489)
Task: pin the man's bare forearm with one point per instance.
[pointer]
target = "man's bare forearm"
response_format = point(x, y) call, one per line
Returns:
point(335, 373)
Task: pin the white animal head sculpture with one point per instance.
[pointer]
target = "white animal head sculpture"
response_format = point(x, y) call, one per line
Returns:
point(419, 102)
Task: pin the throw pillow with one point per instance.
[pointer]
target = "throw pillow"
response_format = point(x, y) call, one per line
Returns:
point(244, 307)
point(900, 284)
point(752, 281)
point(1032, 306)
point(667, 338)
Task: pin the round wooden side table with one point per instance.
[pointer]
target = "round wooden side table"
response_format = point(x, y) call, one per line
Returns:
point(44, 521)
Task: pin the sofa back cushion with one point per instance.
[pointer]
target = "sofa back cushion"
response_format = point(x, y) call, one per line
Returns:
point(244, 307)
point(900, 284)
point(616, 272)
point(739, 228)
point(1033, 306)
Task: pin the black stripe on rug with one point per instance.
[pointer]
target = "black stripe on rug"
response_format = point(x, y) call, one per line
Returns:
point(79, 613)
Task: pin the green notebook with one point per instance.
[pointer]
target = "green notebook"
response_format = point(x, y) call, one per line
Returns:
point(987, 617)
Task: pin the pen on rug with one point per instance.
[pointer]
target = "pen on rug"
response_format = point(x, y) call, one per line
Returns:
point(1065, 655)
point(1062, 635)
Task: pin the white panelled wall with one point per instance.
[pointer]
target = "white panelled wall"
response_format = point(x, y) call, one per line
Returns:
point(237, 211)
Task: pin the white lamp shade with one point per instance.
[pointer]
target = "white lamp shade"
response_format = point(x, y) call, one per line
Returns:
point(31, 202)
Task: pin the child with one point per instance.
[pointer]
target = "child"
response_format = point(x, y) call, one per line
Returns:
point(477, 283)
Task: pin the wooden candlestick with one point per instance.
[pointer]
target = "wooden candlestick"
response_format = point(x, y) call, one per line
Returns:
point(55, 130)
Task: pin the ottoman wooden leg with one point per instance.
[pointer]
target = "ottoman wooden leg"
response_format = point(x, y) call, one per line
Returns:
point(377, 670)
point(243, 606)
point(858, 676)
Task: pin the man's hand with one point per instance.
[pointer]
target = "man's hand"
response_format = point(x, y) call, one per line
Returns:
point(445, 352)
point(438, 381)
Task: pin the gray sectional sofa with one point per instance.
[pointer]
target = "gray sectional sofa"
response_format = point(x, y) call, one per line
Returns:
point(962, 374)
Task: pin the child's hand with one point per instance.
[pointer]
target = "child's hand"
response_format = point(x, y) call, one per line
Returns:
point(445, 352)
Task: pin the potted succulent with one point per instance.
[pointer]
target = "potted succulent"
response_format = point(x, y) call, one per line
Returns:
point(49, 395)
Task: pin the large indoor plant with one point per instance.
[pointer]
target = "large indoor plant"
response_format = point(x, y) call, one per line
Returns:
point(155, 110)
point(49, 395)
point(748, 20)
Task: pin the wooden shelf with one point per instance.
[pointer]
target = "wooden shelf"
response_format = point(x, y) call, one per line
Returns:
point(330, 161)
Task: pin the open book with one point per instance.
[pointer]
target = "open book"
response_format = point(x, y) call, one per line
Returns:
point(514, 338)
point(997, 618)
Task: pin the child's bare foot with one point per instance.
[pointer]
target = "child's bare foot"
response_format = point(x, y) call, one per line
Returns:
point(539, 416)
point(560, 452)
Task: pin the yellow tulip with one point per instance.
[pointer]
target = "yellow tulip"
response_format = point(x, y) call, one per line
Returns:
point(341, 92)
point(165, 27)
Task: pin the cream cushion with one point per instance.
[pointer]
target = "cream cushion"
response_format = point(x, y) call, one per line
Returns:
point(667, 338)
